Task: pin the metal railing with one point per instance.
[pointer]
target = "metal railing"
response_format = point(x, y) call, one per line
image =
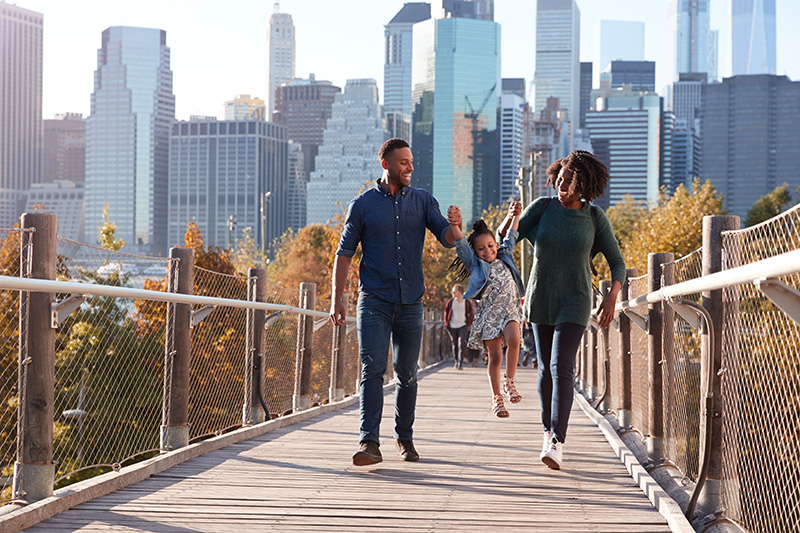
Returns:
point(148, 354)
point(707, 350)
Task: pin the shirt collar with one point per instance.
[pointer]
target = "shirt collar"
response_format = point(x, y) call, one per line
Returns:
point(384, 191)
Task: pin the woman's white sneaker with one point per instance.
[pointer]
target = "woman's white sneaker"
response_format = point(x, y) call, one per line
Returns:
point(545, 444)
point(552, 458)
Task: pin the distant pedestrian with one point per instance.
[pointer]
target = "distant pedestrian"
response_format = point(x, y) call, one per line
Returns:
point(496, 284)
point(458, 314)
point(389, 221)
point(565, 232)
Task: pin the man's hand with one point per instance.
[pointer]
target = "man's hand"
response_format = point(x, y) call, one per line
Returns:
point(338, 313)
point(454, 216)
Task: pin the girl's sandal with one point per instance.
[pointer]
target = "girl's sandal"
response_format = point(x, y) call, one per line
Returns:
point(498, 409)
point(510, 390)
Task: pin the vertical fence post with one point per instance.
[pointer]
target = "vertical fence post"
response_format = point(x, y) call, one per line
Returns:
point(603, 356)
point(423, 346)
point(655, 430)
point(709, 500)
point(591, 361)
point(252, 411)
point(178, 352)
point(305, 346)
point(336, 392)
point(583, 354)
point(626, 390)
point(34, 470)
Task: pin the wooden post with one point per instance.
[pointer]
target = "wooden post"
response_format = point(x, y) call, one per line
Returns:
point(655, 429)
point(603, 355)
point(252, 411)
point(626, 394)
point(305, 346)
point(34, 470)
point(591, 359)
point(178, 352)
point(338, 365)
point(713, 226)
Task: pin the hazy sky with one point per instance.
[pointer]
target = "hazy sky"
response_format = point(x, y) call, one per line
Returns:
point(218, 49)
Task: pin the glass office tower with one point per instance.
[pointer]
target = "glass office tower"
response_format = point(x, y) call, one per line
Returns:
point(127, 138)
point(753, 36)
point(456, 88)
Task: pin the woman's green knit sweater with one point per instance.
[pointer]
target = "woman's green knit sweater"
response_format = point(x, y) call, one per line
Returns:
point(560, 286)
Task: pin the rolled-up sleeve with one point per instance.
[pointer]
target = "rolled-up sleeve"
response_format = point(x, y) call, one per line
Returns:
point(351, 234)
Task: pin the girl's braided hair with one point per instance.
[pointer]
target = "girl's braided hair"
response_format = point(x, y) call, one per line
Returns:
point(479, 227)
point(591, 173)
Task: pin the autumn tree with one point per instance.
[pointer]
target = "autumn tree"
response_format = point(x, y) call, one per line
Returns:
point(769, 205)
point(248, 253)
point(306, 256)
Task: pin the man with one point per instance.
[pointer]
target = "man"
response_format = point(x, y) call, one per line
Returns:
point(458, 315)
point(389, 221)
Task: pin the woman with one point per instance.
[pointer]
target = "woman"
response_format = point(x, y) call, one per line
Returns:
point(458, 314)
point(558, 299)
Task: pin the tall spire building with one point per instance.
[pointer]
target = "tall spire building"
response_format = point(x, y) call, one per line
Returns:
point(127, 137)
point(20, 108)
point(558, 69)
point(693, 46)
point(397, 60)
point(280, 54)
point(753, 36)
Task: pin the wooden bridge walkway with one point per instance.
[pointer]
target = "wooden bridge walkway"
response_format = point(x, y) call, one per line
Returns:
point(477, 473)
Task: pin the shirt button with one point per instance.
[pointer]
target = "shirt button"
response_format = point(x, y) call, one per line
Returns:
point(398, 247)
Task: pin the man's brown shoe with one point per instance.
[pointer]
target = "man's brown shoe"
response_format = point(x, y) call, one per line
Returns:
point(407, 451)
point(368, 454)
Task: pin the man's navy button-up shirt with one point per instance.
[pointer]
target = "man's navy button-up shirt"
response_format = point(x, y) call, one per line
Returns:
point(391, 230)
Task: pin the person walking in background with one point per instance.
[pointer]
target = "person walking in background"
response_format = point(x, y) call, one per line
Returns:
point(458, 314)
point(389, 221)
point(566, 232)
point(496, 284)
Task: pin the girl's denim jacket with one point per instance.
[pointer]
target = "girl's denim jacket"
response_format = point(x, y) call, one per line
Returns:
point(479, 269)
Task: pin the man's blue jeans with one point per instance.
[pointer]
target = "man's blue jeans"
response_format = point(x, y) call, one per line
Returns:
point(379, 323)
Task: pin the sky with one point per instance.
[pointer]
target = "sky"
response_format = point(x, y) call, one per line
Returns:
point(218, 49)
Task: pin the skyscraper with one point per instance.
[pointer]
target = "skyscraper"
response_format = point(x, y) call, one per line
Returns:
point(557, 55)
point(640, 75)
point(242, 107)
point(20, 108)
point(280, 54)
point(626, 135)
point(586, 92)
point(512, 135)
point(304, 107)
point(127, 137)
point(456, 88)
point(219, 171)
point(693, 46)
point(687, 98)
point(348, 155)
point(397, 60)
point(753, 36)
point(64, 148)
point(617, 40)
point(751, 143)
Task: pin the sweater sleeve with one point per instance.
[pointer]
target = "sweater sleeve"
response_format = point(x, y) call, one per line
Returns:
point(608, 245)
point(529, 220)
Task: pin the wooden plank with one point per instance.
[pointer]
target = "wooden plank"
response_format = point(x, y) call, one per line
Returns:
point(477, 473)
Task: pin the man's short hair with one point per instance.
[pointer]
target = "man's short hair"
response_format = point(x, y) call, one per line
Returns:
point(390, 146)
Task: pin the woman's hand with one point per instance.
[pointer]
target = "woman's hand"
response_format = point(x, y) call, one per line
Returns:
point(605, 314)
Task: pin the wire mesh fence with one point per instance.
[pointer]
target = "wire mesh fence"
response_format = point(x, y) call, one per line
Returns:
point(322, 352)
point(760, 383)
point(219, 346)
point(640, 388)
point(10, 265)
point(280, 357)
point(681, 374)
point(108, 365)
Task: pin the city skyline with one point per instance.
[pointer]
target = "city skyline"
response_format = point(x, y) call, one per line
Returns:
point(209, 72)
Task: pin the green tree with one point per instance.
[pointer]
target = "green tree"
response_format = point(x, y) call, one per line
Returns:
point(769, 205)
point(248, 254)
point(107, 233)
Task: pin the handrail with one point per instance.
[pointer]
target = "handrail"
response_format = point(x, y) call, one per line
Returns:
point(779, 265)
point(70, 287)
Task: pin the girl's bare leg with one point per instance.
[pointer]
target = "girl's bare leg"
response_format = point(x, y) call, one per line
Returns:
point(513, 339)
point(495, 349)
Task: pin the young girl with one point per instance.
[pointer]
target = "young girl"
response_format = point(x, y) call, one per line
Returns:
point(496, 284)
